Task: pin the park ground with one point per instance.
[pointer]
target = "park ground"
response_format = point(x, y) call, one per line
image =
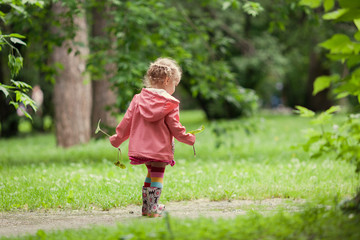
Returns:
point(22, 223)
point(250, 179)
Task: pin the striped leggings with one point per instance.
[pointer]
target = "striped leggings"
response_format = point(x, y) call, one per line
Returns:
point(155, 175)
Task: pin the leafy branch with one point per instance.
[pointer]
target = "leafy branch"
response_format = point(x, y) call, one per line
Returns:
point(344, 140)
point(17, 91)
point(17, 88)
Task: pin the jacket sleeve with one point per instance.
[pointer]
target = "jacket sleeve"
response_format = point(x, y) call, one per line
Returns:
point(123, 129)
point(177, 130)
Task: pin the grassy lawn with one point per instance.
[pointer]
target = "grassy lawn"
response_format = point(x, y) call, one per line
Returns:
point(239, 159)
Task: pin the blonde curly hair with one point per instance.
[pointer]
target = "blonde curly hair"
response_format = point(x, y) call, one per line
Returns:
point(161, 69)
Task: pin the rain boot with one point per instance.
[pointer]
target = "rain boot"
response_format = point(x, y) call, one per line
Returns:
point(155, 209)
point(145, 198)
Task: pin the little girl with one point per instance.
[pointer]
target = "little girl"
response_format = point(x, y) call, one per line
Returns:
point(151, 122)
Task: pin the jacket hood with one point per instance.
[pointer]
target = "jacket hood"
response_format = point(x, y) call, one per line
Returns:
point(155, 104)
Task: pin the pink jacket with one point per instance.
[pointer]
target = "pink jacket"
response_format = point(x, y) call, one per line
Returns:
point(151, 122)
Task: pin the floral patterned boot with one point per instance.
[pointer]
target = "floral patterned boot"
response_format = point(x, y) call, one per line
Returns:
point(155, 209)
point(145, 198)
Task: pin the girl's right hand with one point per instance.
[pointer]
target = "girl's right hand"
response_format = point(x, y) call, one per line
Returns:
point(114, 140)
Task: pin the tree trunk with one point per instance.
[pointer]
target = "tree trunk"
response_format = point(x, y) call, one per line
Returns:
point(72, 91)
point(320, 101)
point(103, 96)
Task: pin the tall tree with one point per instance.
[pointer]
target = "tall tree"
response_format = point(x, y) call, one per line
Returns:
point(102, 52)
point(72, 90)
point(186, 32)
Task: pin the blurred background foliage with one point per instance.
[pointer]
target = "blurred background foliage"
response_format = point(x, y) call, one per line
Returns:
point(236, 56)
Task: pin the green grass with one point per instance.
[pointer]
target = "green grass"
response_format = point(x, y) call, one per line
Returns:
point(253, 159)
point(312, 223)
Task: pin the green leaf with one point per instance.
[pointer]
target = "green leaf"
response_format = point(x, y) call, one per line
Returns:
point(18, 96)
point(16, 40)
point(226, 5)
point(120, 165)
point(41, 234)
point(350, 15)
point(15, 104)
point(323, 82)
point(342, 95)
point(230, 3)
point(118, 162)
point(310, 3)
point(304, 112)
point(322, 119)
point(4, 90)
point(311, 141)
point(199, 130)
point(252, 8)
point(338, 56)
point(15, 64)
point(335, 14)
point(40, 4)
point(349, 3)
point(353, 61)
point(357, 35)
point(26, 100)
point(97, 130)
point(26, 113)
point(333, 109)
point(357, 23)
point(345, 15)
point(338, 43)
point(21, 85)
point(16, 35)
point(328, 5)
point(316, 155)
point(20, 9)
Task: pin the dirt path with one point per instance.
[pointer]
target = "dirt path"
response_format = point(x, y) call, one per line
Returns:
point(20, 223)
